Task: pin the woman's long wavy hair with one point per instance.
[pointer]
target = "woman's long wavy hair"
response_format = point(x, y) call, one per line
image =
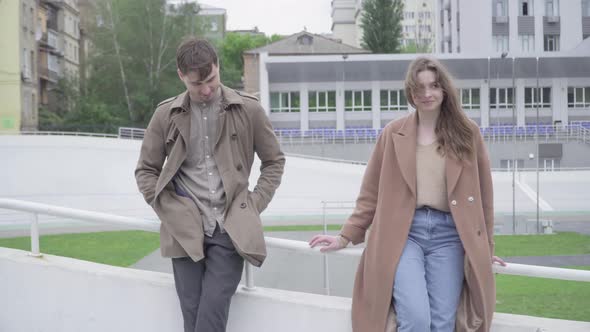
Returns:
point(453, 130)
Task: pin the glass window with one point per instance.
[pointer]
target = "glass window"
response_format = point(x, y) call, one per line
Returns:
point(501, 97)
point(470, 98)
point(357, 101)
point(585, 8)
point(322, 101)
point(551, 8)
point(551, 43)
point(534, 97)
point(284, 102)
point(393, 100)
point(501, 8)
point(578, 97)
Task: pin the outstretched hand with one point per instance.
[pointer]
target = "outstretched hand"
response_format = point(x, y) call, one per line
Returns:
point(496, 259)
point(327, 242)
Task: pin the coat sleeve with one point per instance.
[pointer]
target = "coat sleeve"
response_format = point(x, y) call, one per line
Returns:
point(272, 159)
point(362, 216)
point(151, 159)
point(486, 188)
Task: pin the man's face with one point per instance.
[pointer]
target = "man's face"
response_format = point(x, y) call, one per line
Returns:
point(201, 89)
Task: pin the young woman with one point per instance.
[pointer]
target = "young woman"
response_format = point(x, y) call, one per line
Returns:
point(427, 195)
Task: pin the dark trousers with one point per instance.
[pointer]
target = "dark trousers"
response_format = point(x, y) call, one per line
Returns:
point(205, 288)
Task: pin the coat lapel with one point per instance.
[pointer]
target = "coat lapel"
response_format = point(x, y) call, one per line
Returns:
point(182, 121)
point(405, 150)
point(453, 171)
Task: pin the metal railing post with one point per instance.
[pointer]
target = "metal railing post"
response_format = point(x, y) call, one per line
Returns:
point(35, 236)
point(249, 276)
point(325, 256)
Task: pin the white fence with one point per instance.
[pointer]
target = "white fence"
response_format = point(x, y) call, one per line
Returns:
point(63, 294)
point(299, 246)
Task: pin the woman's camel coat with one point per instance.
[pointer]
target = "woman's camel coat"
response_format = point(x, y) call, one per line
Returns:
point(387, 202)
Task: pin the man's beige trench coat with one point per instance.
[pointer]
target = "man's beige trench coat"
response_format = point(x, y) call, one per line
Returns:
point(387, 202)
point(243, 130)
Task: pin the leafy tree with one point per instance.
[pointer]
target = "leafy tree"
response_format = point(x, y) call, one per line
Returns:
point(416, 48)
point(381, 24)
point(230, 51)
point(134, 53)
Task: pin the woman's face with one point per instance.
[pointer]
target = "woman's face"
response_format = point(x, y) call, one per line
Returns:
point(428, 95)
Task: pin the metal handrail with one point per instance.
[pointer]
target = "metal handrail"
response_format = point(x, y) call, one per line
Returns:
point(57, 133)
point(298, 246)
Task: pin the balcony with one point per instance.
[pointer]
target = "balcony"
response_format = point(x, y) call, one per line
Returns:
point(552, 19)
point(500, 19)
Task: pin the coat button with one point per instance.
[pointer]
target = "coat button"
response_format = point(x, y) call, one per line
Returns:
point(239, 167)
point(478, 233)
point(471, 199)
point(234, 136)
point(454, 202)
point(243, 205)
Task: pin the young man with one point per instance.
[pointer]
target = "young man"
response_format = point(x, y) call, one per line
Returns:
point(193, 170)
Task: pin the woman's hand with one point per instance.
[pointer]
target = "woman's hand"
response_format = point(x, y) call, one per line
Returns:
point(496, 259)
point(328, 243)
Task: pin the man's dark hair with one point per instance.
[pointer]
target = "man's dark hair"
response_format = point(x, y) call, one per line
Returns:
point(196, 54)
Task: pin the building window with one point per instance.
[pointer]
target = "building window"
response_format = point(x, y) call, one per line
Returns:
point(527, 43)
point(322, 101)
point(357, 101)
point(501, 43)
point(500, 7)
point(26, 63)
point(534, 97)
point(470, 98)
point(551, 8)
point(526, 8)
point(551, 43)
point(578, 97)
point(501, 97)
point(214, 27)
point(52, 63)
point(52, 39)
point(393, 100)
point(281, 102)
point(585, 8)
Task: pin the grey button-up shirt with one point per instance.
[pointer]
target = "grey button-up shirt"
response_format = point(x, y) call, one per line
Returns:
point(198, 177)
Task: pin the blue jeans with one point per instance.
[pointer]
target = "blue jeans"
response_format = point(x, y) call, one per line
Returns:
point(429, 276)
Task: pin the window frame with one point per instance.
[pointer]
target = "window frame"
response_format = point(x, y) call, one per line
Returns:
point(364, 105)
point(393, 105)
point(289, 107)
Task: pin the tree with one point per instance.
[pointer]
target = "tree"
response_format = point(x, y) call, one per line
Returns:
point(416, 48)
point(134, 53)
point(230, 51)
point(381, 24)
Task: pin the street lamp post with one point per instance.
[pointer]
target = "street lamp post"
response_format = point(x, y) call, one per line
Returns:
point(514, 161)
point(537, 144)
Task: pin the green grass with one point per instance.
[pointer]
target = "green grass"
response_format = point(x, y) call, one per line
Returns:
point(542, 245)
point(543, 297)
point(122, 248)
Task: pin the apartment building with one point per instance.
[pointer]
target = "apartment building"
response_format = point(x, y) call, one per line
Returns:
point(516, 27)
point(18, 69)
point(417, 23)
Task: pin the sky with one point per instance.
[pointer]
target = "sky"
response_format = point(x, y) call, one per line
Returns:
point(282, 17)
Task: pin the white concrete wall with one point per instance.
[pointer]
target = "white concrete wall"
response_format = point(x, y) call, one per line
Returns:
point(347, 32)
point(475, 27)
point(62, 294)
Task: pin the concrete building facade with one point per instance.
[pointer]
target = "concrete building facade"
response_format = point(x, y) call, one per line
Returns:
point(18, 65)
point(519, 27)
point(418, 23)
point(367, 90)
